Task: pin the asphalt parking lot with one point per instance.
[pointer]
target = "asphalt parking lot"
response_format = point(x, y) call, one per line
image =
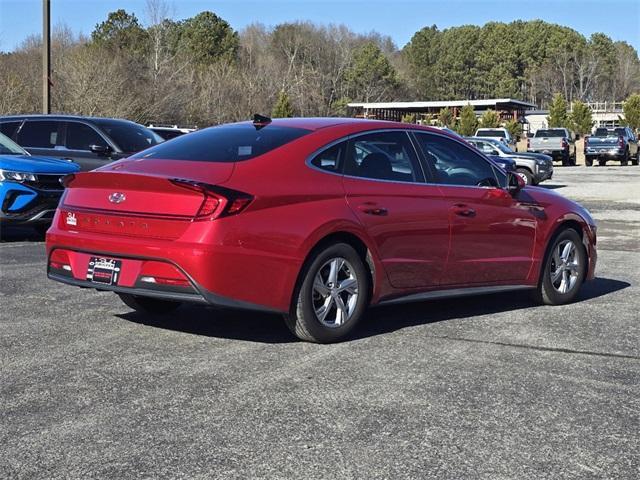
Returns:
point(484, 387)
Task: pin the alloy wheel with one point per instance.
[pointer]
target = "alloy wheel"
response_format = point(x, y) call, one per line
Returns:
point(335, 292)
point(565, 267)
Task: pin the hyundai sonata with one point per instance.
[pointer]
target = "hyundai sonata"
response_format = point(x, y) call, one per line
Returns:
point(316, 219)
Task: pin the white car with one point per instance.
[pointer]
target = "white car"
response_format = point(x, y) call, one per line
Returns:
point(498, 133)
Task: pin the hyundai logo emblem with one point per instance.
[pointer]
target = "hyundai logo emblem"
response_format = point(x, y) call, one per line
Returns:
point(117, 197)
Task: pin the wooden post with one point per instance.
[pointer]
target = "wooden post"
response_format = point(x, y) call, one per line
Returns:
point(46, 56)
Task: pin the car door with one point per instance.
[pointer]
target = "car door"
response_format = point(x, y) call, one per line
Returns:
point(79, 139)
point(633, 142)
point(492, 234)
point(406, 217)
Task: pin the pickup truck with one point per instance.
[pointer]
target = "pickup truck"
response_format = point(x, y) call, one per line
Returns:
point(498, 133)
point(558, 143)
point(618, 143)
point(532, 167)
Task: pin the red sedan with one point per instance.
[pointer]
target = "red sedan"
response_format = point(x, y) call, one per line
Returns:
point(317, 219)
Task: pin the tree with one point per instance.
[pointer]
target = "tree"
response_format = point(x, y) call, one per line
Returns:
point(121, 32)
point(468, 121)
point(206, 39)
point(558, 112)
point(282, 108)
point(490, 119)
point(631, 109)
point(580, 118)
point(371, 77)
point(514, 128)
point(445, 117)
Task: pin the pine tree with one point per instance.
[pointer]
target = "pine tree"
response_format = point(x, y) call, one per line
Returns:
point(468, 121)
point(445, 117)
point(490, 119)
point(580, 118)
point(282, 108)
point(558, 112)
point(631, 109)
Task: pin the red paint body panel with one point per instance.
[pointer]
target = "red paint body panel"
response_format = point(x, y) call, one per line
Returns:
point(255, 257)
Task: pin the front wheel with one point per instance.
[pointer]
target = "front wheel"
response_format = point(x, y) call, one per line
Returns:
point(526, 175)
point(154, 306)
point(564, 269)
point(331, 296)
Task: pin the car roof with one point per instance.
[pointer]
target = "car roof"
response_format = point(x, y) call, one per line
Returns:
point(42, 116)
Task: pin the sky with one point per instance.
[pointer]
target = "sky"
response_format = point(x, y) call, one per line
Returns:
point(399, 19)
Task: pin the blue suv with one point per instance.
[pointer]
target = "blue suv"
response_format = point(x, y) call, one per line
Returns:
point(30, 187)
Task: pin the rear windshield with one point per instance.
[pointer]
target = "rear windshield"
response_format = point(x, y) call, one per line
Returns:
point(605, 132)
point(491, 133)
point(130, 137)
point(550, 133)
point(226, 143)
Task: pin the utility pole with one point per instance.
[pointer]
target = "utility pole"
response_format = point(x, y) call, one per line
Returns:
point(46, 56)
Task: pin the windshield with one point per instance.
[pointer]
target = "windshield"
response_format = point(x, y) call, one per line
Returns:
point(9, 147)
point(484, 132)
point(605, 132)
point(226, 143)
point(550, 133)
point(130, 137)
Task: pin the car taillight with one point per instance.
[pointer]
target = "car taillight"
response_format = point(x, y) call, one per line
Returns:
point(586, 141)
point(621, 142)
point(565, 144)
point(218, 201)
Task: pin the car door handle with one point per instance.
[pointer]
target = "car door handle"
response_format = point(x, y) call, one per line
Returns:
point(373, 210)
point(463, 210)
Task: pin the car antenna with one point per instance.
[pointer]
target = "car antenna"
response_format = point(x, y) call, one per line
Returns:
point(260, 121)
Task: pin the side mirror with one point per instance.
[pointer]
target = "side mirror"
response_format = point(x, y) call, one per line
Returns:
point(515, 183)
point(101, 150)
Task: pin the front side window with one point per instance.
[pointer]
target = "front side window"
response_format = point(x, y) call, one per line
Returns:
point(329, 159)
point(38, 134)
point(456, 164)
point(81, 137)
point(129, 136)
point(383, 156)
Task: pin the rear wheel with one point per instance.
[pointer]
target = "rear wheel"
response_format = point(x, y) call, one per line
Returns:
point(149, 305)
point(331, 297)
point(625, 160)
point(588, 161)
point(526, 175)
point(564, 269)
point(635, 160)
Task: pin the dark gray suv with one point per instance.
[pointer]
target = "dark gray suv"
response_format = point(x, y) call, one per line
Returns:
point(91, 142)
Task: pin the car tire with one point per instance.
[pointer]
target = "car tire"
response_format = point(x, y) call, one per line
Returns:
point(566, 161)
point(526, 175)
point(153, 306)
point(572, 160)
point(635, 160)
point(625, 160)
point(564, 269)
point(588, 161)
point(315, 314)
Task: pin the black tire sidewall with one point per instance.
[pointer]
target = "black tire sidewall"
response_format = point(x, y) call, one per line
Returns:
point(303, 310)
point(527, 174)
point(548, 292)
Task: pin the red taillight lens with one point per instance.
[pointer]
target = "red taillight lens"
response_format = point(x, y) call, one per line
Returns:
point(565, 144)
point(218, 201)
point(621, 142)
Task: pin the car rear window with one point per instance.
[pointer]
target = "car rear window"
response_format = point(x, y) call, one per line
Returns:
point(130, 137)
point(491, 133)
point(550, 133)
point(226, 143)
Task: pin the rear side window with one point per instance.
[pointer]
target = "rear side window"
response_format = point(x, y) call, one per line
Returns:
point(38, 134)
point(81, 137)
point(383, 156)
point(9, 128)
point(329, 159)
point(226, 143)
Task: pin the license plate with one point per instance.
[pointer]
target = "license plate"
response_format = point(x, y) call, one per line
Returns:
point(104, 270)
